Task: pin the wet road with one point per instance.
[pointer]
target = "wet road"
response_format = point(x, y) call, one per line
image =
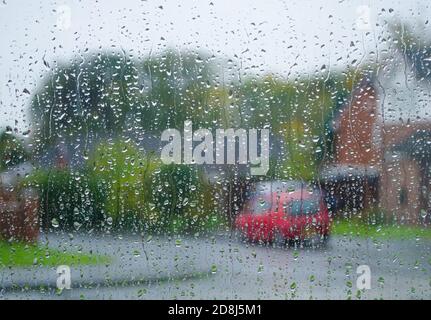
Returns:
point(222, 268)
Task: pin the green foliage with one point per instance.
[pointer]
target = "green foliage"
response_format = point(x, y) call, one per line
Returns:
point(174, 189)
point(68, 200)
point(123, 189)
point(180, 86)
point(184, 200)
point(124, 174)
point(99, 94)
point(89, 96)
point(300, 112)
point(12, 151)
point(362, 229)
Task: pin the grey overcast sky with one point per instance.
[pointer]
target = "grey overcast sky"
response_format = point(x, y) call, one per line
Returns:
point(287, 38)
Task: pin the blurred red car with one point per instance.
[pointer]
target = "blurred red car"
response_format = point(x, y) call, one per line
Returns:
point(279, 211)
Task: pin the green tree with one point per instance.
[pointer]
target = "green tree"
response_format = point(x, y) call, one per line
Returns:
point(174, 188)
point(12, 152)
point(103, 95)
point(298, 111)
point(180, 86)
point(124, 173)
point(90, 96)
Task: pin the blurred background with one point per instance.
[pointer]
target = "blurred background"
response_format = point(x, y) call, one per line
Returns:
point(87, 89)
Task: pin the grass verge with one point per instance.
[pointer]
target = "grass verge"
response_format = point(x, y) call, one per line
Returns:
point(361, 229)
point(25, 255)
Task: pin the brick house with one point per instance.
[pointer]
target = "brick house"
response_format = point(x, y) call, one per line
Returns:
point(377, 161)
point(353, 176)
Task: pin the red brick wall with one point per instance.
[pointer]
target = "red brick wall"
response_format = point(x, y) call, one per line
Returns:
point(355, 128)
point(401, 175)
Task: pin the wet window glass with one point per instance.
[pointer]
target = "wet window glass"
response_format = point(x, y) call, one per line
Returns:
point(215, 149)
